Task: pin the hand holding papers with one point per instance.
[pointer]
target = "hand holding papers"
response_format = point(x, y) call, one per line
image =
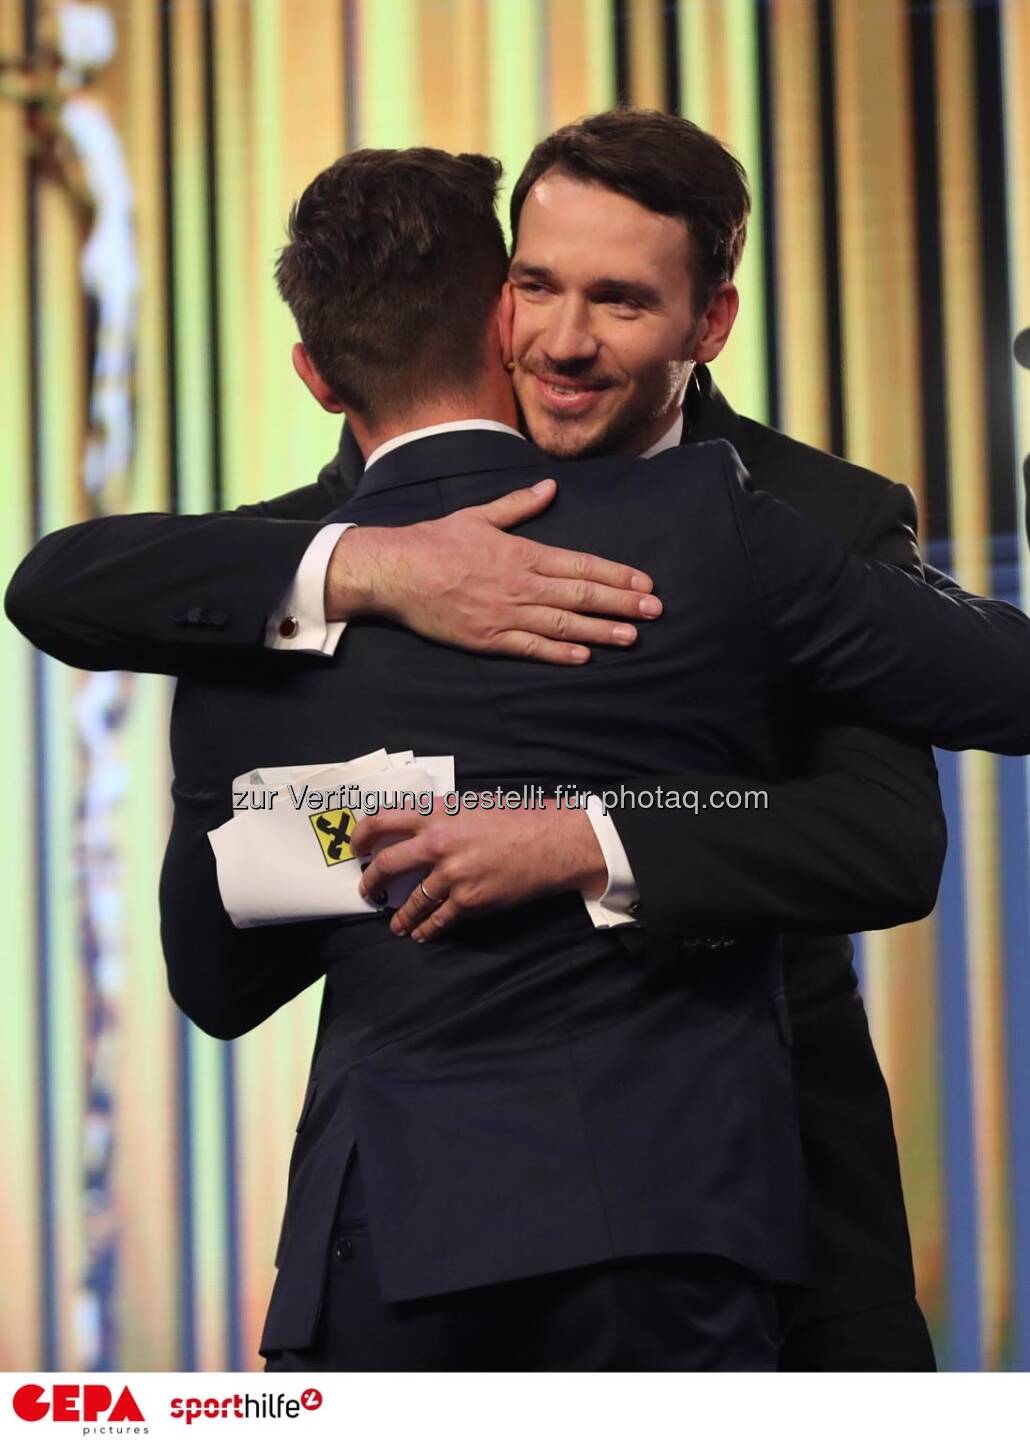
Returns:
point(285, 854)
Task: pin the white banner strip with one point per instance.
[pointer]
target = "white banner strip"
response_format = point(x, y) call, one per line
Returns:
point(514, 1406)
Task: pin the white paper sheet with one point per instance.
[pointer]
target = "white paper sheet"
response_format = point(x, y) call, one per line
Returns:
point(284, 856)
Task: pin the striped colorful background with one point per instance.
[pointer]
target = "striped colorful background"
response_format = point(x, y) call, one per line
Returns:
point(887, 271)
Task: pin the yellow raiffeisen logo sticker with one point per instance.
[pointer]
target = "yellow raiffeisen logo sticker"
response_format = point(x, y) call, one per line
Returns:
point(333, 827)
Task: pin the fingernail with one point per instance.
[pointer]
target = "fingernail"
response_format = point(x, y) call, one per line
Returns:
point(540, 487)
point(640, 582)
point(624, 634)
point(580, 655)
point(397, 927)
point(650, 606)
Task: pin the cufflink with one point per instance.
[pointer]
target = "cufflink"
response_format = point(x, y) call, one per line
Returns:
point(288, 627)
point(634, 909)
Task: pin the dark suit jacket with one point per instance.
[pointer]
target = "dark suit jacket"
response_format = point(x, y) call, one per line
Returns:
point(856, 792)
point(855, 841)
point(533, 1097)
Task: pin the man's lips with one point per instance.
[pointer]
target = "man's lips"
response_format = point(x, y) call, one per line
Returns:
point(567, 397)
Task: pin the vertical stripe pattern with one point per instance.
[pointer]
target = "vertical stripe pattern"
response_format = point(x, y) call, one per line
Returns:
point(886, 274)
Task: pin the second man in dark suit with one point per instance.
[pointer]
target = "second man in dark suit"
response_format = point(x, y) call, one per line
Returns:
point(546, 1122)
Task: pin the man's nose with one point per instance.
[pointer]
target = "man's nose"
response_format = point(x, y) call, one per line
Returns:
point(570, 338)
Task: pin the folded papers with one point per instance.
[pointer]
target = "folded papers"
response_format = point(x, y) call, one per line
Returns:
point(285, 854)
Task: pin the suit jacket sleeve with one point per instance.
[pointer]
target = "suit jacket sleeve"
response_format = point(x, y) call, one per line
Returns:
point(878, 643)
point(226, 980)
point(855, 844)
point(167, 594)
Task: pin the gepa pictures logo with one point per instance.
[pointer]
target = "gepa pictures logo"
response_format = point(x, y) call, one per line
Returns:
point(85, 1403)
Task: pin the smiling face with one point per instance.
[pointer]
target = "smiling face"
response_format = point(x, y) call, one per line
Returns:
point(604, 330)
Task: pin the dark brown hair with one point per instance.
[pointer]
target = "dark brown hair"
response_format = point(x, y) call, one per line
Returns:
point(665, 163)
point(394, 261)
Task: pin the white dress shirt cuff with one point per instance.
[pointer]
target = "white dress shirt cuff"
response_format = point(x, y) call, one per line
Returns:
point(299, 623)
point(618, 904)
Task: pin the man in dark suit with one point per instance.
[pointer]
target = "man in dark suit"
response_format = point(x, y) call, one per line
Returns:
point(853, 832)
point(545, 1121)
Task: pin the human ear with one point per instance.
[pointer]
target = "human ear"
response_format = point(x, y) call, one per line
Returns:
point(309, 373)
point(716, 323)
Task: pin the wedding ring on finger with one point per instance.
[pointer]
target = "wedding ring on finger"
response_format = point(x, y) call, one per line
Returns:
point(431, 899)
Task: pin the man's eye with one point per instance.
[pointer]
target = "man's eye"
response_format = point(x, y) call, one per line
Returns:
point(530, 287)
point(622, 302)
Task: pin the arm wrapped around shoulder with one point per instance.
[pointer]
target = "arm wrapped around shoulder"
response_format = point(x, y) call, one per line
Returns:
point(884, 645)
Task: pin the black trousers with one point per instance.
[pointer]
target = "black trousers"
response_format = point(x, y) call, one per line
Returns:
point(883, 1338)
point(662, 1312)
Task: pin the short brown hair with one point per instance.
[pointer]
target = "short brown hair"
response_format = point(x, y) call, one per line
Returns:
point(665, 163)
point(394, 260)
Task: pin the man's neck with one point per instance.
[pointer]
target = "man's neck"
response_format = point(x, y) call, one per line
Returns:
point(444, 427)
point(485, 406)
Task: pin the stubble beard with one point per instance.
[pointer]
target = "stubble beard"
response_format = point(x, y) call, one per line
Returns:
point(626, 432)
point(565, 439)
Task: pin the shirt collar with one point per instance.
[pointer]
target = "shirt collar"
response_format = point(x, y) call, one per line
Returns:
point(445, 428)
point(672, 437)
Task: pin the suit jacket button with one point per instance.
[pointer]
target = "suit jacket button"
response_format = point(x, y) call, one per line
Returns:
point(288, 627)
point(634, 909)
point(343, 1249)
